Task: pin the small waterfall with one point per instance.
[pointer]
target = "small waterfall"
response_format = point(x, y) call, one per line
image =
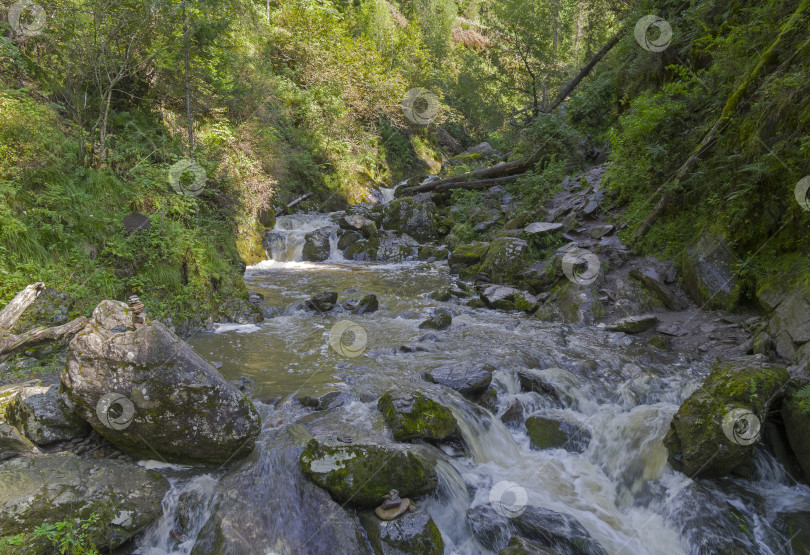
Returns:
point(285, 243)
point(486, 437)
point(186, 508)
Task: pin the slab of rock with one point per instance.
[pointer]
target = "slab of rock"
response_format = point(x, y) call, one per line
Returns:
point(708, 266)
point(542, 228)
point(634, 324)
point(715, 431)
point(45, 416)
point(412, 416)
point(599, 231)
point(503, 297)
point(151, 395)
point(559, 532)
point(363, 474)
point(266, 504)
point(55, 488)
point(468, 255)
point(649, 278)
point(471, 379)
point(413, 532)
point(13, 443)
point(554, 433)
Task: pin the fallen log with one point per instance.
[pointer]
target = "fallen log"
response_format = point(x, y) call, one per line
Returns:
point(480, 184)
point(509, 169)
point(287, 207)
point(11, 344)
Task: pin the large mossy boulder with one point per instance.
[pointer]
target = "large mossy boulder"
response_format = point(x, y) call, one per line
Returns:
point(64, 487)
point(317, 244)
point(265, 504)
point(151, 395)
point(467, 255)
point(708, 273)
point(363, 474)
point(412, 533)
point(715, 431)
point(796, 416)
point(505, 260)
point(416, 416)
point(45, 415)
point(412, 216)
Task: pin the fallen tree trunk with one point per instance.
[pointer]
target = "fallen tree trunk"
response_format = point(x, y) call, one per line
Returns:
point(479, 184)
point(287, 207)
point(11, 344)
point(510, 169)
point(574, 83)
point(664, 192)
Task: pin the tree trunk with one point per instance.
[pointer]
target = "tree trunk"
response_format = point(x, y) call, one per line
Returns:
point(13, 310)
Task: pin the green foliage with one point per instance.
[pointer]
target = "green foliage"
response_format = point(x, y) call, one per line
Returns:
point(69, 537)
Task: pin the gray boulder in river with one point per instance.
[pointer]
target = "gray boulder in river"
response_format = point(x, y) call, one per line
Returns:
point(64, 487)
point(151, 395)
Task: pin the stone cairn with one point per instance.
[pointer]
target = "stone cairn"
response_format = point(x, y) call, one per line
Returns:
point(138, 318)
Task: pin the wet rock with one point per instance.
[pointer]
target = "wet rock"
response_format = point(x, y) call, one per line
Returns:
point(513, 413)
point(316, 244)
point(502, 297)
point(649, 278)
point(348, 239)
point(363, 474)
point(414, 532)
point(714, 432)
point(658, 342)
point(440, 321)
point(267, 505)
point(708, 273)
point(323, 302)
point(188, 507)
point(471, 379)
point(442, 295)
point(13, 443)
point(467, 255)
point(45, 416)
point(535, 380)
point(551, 433)
point(552, 530)
point(55, 488)
point(522, 546)
point(634, 324)
point(542, 228)
point(412, 216)
point(397, 248)
point(579, 304)
point(505, 260)
point(146, 390)
point(795, 526)
point(357, 223)
point(796, 416)
point(367, 304)
point(416, 416)
point(329, 400)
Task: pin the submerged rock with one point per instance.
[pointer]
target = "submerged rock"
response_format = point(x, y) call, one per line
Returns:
point(471, 379)
point(522, 546)
point(45, 416)
point(363, 474)
point(412, 533)
point(551, 433)
point(56, 488)
point(714, 432)
point(557, 531)
point(151, 395)
point(416, 416)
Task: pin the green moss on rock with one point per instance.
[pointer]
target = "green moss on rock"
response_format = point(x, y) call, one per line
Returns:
point(416, 416)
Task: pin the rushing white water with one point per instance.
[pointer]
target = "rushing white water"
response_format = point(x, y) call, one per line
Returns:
point(620, 487)
point(286, 241)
